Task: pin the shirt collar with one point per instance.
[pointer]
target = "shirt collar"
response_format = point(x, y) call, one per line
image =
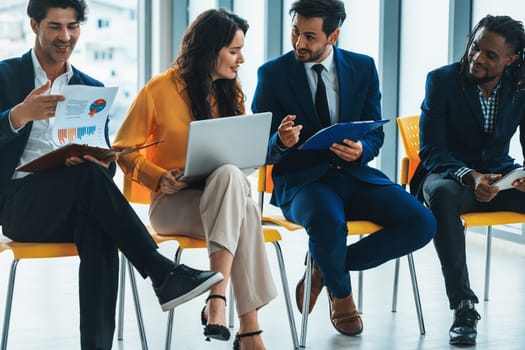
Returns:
point(41, 75)
point(328, 62)
point(494, 91)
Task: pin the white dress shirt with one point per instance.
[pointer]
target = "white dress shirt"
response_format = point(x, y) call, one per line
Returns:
point(41, 137)
point(330, 80)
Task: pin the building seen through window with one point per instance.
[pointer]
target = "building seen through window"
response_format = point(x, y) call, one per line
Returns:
point(106, 50)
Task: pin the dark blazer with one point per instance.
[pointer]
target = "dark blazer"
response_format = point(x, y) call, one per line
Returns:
point(451, 127)
point(17, 80)
point(283, 89)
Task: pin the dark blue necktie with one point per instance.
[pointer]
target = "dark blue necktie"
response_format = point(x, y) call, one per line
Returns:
point(321, 102)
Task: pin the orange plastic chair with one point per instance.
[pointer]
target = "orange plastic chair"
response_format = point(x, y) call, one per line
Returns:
point(138, 194)
point(57, 250)
point(409, 130)
point(355, 227)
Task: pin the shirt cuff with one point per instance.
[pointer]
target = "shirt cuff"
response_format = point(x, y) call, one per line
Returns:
point(460, 173)
point(11, 124)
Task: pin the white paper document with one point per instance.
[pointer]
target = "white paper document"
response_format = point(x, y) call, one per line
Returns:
point(81, 117)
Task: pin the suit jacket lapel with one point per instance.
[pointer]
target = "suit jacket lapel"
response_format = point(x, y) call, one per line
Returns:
point(301, 89)
point(472, 98)
point(28, 78)
point(345, 79)
point(505, 107)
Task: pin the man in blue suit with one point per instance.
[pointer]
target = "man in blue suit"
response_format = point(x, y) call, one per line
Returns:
point(470, 112)
point(323, 189)
point(78, 202)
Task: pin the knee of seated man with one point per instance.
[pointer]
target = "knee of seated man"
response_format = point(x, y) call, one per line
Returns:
point(326, 229)
point(89, 171)
point(426, 226)
point(447, 194)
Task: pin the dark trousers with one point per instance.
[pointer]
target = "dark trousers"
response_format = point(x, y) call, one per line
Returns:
point(81, 204)
point(447, 199)
point(323, 207)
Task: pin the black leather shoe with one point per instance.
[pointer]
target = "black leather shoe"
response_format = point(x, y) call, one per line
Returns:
point(214, 331)
point(183, 284)
point(463, 330)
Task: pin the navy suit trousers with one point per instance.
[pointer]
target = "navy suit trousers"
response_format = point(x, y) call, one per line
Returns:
point(323, 207)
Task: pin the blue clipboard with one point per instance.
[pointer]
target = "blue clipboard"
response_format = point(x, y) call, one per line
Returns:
point(336, 133)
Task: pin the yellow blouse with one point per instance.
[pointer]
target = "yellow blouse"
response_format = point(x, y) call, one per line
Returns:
point(161, 111)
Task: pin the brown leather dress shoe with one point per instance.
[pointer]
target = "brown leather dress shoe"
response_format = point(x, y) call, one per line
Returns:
point(317, 287)
point(344, 315)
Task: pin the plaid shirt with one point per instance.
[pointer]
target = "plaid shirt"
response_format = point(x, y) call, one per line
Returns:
point(489, 107)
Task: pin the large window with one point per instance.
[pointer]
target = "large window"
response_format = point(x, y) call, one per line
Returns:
point(424, 47)
point(253, 11)
point(107, 49)
point(360, 31)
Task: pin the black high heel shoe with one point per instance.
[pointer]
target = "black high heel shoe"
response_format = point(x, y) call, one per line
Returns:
point(238, 337)
point(214, 331)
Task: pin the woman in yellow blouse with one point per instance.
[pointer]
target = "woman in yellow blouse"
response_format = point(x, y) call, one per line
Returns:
point(202, 84)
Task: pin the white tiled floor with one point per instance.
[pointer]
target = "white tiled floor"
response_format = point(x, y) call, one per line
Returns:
point(45, 311)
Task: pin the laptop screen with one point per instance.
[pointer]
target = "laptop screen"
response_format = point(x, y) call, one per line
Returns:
point(238, 140)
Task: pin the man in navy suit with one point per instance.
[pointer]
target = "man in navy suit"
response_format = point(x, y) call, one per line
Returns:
point(322, 189)
point(79, 202)
point(470, 112)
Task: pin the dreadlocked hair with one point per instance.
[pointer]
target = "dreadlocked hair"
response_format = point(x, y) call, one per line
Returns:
point(514, 35)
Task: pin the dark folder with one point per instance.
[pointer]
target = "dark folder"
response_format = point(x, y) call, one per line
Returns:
point(336, 133)
point(57, 158)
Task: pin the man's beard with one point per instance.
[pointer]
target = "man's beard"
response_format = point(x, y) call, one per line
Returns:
point(480, 81)
point(312, 57)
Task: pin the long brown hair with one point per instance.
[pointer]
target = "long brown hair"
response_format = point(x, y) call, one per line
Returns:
point(211, 31)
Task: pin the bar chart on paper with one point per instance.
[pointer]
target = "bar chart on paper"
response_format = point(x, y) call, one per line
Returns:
point(82, 116)
point(68, 135)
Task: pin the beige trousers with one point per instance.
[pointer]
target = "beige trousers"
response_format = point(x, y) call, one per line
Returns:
point(228, 218)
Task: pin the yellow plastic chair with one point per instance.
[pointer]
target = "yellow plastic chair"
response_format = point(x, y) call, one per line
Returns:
point(57, 250)
point(355, 227)
point(138, 194)
point(409, 130)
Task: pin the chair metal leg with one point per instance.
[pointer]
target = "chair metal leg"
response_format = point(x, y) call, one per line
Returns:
point(122, 296)
point(415, 289)
point(136, 300)
point(396, 285)
point(232, 307)
point(169, 327)
point(487, 262)
point(286, 291)
point(8, 303)
point(169, 330)
point(306, 300)
point(360, 279)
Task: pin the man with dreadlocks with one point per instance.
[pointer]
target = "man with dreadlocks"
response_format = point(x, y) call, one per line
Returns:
point(470, 112)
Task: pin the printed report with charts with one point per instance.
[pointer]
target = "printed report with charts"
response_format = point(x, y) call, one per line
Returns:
point(78, 126)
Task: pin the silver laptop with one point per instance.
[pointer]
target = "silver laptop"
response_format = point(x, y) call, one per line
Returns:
point(240, 140)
